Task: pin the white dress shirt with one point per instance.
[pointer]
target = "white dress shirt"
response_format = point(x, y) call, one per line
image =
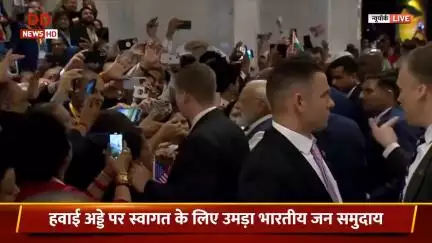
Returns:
point(304, 145)
point(422, 149)
point(257, 137)
point(200, 115)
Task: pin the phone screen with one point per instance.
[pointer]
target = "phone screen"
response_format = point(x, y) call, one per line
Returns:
point(90, 87)
point(13, 69)
point(421, 26)
point(250, 54)
point(116, 144)
point(134, 114)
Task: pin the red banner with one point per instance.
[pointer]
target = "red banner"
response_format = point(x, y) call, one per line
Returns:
point(215, 218)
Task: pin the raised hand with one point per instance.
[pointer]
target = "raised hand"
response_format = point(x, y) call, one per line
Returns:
point(384, 134)
point(7, 61)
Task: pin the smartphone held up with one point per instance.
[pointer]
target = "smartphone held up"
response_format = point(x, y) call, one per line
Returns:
point(115, 144)
point(90, 87)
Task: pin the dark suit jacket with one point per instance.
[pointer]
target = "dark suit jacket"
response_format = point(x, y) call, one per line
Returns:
point(384, 185)
point(27, 47)
point(355, 94)
point(360, 115)
point(343, 105)
point(77, 32)
point(276, 171)
point(420, 186)
point(345, 152)
point(263, 126)
point(208, 163)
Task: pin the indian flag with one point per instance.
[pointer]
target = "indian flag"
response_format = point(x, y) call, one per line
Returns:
point(296, 43)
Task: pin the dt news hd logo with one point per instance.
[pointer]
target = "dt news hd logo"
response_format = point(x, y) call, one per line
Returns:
point(37, 24)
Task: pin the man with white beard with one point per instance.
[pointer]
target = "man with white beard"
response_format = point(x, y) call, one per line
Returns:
point(255, 111)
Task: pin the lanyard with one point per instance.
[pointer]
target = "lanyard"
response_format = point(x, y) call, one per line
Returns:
point(74, 112)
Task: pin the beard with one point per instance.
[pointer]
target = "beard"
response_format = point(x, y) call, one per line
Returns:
point(245, 120)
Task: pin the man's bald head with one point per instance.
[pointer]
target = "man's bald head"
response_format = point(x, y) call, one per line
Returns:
point(253, 103)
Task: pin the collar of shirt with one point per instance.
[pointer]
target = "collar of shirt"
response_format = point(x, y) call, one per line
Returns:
point(428, 134)
point(351, 91)
point(378, 118)
point(257, 122)
point(92, 35)
point(200, 115)
point(301, 142)
point(422, 149)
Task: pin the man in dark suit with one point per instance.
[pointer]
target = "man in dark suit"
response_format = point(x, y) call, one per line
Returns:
point(415, 97)
point(27, 47)
point(287, 166)
point(83, 34)
point(343, 146)
point(208, 163)
point(379, 98)
point(255, 111)
point(342, 74)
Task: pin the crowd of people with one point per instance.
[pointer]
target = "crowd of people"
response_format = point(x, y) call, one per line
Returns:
point(130, 121)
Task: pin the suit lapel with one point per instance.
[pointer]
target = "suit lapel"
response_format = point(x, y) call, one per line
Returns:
point(298, 161)
point(418, 177)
